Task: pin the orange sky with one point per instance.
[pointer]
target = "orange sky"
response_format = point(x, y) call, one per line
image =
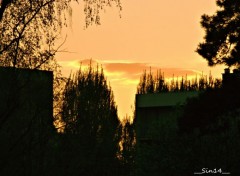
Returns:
point(157, 33)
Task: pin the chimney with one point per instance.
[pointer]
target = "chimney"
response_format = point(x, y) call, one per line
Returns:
point(226, 77)
point(226, 71)
point(236, 72)
point(229, 79)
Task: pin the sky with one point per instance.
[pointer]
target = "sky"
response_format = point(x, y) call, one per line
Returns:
point(156, 33)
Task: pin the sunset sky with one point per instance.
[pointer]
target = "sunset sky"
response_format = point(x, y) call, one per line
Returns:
point(156, 33)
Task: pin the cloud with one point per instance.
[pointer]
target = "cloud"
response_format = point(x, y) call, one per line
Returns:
point(130, 68)
point(72, 64)
point(87, 62)
point(131, 72)
point(127, 72)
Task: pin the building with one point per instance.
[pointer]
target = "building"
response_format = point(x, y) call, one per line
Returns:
point(231, 80)
point(156, 121)
point(26, 119)
point(163, 150)
point(152, 108)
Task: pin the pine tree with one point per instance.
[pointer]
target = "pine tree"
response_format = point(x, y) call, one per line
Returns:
point(221, 41)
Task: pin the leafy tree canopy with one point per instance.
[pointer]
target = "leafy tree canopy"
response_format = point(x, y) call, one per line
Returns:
point(156, 83)
point(29, 29)
point(89, 112)
point(221, 43)
point(89, 105)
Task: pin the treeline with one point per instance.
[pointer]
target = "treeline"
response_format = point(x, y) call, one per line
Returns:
point(93, 141)
point(205, 133)
point(156, 83)
point(89, 139)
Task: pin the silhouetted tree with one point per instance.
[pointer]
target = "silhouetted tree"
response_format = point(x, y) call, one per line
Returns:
point(28, 36)
point(156, 84)
point(89, 113)
point(128, 147)
point(150, 84)
point(29, 30)
point(212, 130)
point(92, 8)
point(203, 113)
point(22, 43)
point(210, 124)
point(222, 38)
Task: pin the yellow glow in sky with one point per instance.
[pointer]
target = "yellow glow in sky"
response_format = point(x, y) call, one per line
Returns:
point(157, 33)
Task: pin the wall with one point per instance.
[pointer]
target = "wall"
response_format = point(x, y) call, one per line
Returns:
point(26, 110)
point(154, 108)
point(156, 127)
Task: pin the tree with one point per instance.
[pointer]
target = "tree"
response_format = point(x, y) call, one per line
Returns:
point(28, 35)
point(221, 43)
point(149, 83)
point(128, 147)
point(90, 114)
point(28, 32)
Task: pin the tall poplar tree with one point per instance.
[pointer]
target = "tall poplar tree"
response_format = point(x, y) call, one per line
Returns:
point(90, 114)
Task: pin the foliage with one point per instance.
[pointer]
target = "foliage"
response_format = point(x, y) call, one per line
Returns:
point(171, 153)
point(221, 41)
point(89, 113)
point(204, 133)
point(203, 112)
point(128, 147)
point(156, 84)
point(29, 34)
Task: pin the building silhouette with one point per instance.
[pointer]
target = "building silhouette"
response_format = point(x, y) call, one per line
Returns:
point(158, 137)
point(26, 119)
